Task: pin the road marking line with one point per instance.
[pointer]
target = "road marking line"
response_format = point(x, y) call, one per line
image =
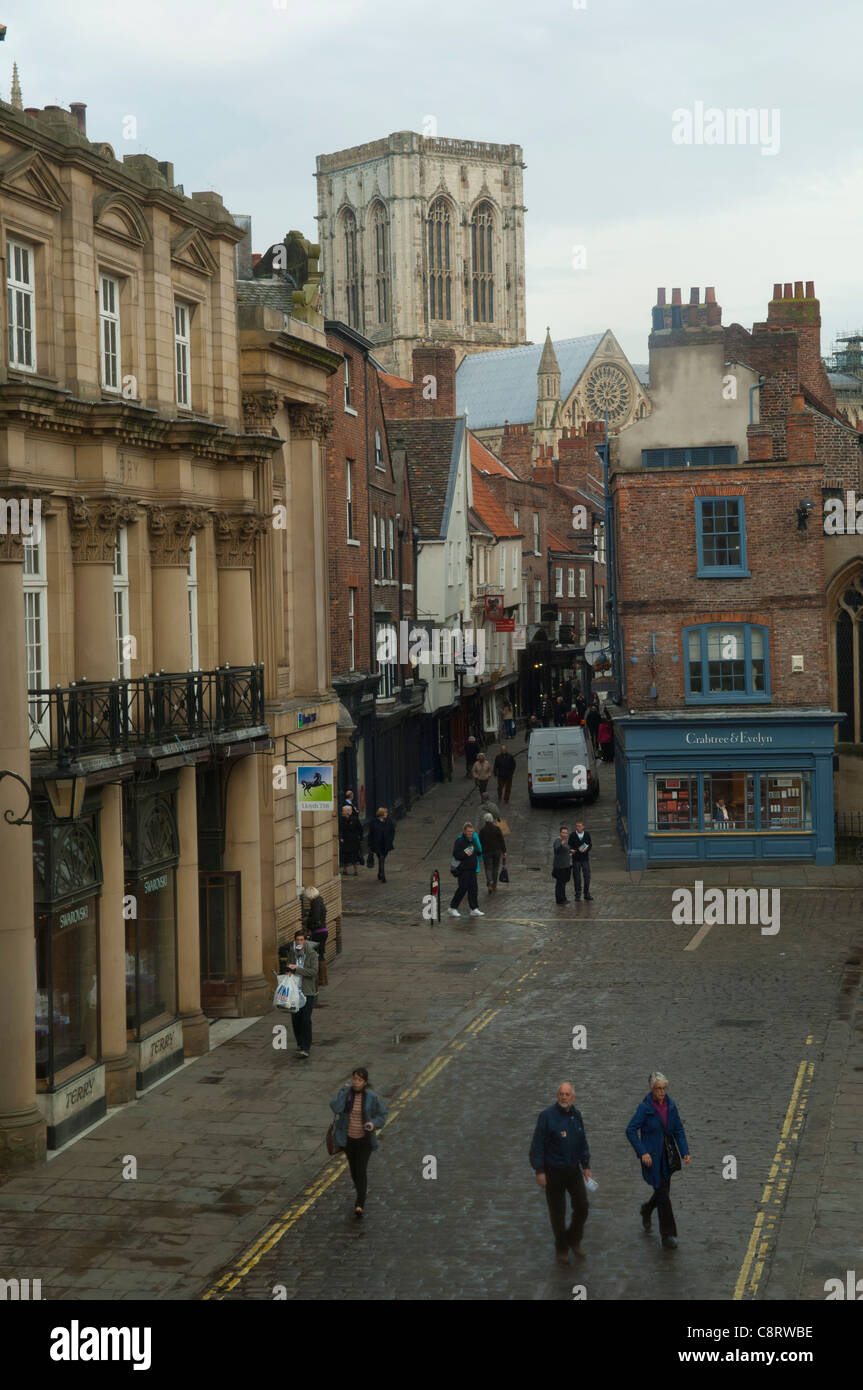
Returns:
point(699, 936)
point(764, 1229)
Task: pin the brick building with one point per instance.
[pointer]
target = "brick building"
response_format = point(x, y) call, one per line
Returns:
point(371, 587)
point(725, 728)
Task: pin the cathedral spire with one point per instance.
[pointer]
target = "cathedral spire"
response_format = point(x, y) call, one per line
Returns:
point(15, 99)
point(548, 363)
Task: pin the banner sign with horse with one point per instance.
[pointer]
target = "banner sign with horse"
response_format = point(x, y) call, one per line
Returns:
point(315, 787)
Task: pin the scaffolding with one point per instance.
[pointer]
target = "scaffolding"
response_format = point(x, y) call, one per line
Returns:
point(847, 355)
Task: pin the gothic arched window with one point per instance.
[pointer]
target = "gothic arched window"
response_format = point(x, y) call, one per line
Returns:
point(352, 272)
point(848, 622)
point(481, 231)
point(440, 261)
point(380, 228)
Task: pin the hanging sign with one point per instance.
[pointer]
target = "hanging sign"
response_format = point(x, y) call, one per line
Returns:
point(315, 787)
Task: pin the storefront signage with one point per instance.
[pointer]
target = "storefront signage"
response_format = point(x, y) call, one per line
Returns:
point(519, 638)
point(304, 720)
point(75, 914)
point(152, 885)
point(153, 1049)
point(315, 787)
point(76, 1096)
point(504, 624)
point(737, 736)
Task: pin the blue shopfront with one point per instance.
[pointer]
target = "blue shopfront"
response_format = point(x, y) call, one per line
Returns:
point(715, 787)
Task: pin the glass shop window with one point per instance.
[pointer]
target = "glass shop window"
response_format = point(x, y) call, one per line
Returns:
point(729, 801)
point(67, 991)
point(151, 954)
point(786, 801)
point(673, 803)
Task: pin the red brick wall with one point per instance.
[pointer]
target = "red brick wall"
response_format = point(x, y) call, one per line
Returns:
point(660, 592)
point(515, 449)
point(433, 372)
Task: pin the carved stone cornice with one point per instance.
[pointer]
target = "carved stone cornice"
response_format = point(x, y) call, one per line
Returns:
point(171, 531)
point(259, 411)
point(11, 548)
point(310, 421)
point(235, 535)
point(93, 523)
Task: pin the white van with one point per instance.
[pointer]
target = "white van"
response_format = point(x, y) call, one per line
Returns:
point(554, 757)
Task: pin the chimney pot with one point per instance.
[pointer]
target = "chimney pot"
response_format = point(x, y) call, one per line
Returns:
point(694, 295)
point(660, 296)
point(798, 289)
point(787, 294)
point(810, 289)
point(777, 291)
point(79, 111)
point(675, 296)
point(256, 256)
point(710, 295)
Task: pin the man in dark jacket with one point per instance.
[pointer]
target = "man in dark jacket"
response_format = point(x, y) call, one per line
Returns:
point(591, 720)
point(303, 961)
point(504, 767)
point(561, 867)
point(532, 723)
point(493, 850)
point(581, 844)
point(465, 860)
point(558, 1154)
point(382, 834)
point(559, 712)
point(472, 748)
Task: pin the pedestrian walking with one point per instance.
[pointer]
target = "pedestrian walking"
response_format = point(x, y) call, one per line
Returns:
point(350, 840)
point(656, 1133)
point(481, 773)
point(493, 850)
point(504, 767)
point(488, 808)
point(559, 712)
point(581, 844)
point(561, 867)
point(580, 705)
point(605, 737)
point(560, 1157)
point(508, 715)
point(314, 911)
point(382, 834)
point(532, 723)
point(350, 802)
point(464, 865)
point(545, 711)
point(359, 1112)
point(302, 960)
point(591, 720)
point(471, 752)
point(573, 718)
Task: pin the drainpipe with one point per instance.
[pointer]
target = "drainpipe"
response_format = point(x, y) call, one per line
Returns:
point(756, 387)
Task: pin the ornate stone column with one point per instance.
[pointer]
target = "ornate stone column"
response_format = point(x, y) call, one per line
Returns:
point(236, 534)
point(309, 616)
point(93, 524)
point(118, 1054)
point(171, 531)
point(196, 1028)
point(22, 1129)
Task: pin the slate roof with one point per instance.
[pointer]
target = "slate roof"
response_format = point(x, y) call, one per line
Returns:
point(642, 371)
point(431, 451)
point(843, 381)
point(497, 386)
point(276, 294)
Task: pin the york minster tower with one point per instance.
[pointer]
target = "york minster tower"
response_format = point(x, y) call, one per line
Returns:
point(422, 241)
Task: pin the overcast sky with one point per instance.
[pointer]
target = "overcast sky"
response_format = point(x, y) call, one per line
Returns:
point(241, 95)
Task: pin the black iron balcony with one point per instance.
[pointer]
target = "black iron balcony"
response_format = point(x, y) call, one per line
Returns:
point(70, 722)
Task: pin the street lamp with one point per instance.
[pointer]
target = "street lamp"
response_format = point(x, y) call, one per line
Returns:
point(66, 795)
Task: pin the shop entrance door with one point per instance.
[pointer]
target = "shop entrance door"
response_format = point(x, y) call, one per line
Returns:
point(221, 946)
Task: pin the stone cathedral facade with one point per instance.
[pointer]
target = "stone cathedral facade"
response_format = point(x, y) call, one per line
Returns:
point(423, 242)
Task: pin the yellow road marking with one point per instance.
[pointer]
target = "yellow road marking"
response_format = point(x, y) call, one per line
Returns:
point(764, 1229)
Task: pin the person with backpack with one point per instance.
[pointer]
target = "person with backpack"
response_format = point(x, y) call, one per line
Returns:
point(382, 835)
point(359, 1113)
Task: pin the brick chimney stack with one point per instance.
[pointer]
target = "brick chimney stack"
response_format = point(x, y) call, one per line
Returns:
point(795, 306)
point(682, 322)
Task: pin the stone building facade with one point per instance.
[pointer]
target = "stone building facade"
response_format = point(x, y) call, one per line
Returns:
point(423, 242)
point(163, 619)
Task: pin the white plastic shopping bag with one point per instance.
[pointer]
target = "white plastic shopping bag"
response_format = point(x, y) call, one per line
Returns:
point(288, 994)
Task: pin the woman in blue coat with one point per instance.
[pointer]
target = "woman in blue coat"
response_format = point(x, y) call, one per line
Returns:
point(656, 1117)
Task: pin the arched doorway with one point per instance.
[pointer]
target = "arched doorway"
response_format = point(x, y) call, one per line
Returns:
point(845, 615)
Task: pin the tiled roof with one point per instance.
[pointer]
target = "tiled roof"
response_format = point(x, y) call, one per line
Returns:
point(397, 382)
point(490, 511)
point(487, 462)
point(554, 541)
point(431, 450)
point(497, 386)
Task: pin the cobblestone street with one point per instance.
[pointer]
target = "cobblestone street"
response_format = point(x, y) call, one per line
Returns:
point(467, 1029)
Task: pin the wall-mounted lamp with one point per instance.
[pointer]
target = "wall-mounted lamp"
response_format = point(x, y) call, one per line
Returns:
point(803, 513)
point(66, 795)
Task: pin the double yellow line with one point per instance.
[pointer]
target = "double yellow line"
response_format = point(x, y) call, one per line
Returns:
point(764, 1229)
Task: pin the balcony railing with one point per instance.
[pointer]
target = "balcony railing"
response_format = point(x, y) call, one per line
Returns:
point(94, 717)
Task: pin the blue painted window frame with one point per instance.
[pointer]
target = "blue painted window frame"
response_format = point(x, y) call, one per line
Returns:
point(728, 697)
point(695, 456)
point(738, 571)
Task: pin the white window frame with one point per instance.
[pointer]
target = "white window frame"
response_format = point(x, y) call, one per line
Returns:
point(582, 583)
point(515, 566)
point(537, 600)
point(379, 451)
point(192, 587)
point(109, 333)
point(183, 353)
point(382, 537)
point(375, 561)
point(121, 601)
point(570, 582)
point(36, 635)
point(536, 549)
point(392, 548)
point(352, 629)
point(388, 670)
point(558, 581)
point(523, 613)
point(449, 569)
point(515, 516)
point(21, 304)
point(582, 627)
point(502, 564)
point(349, 497)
